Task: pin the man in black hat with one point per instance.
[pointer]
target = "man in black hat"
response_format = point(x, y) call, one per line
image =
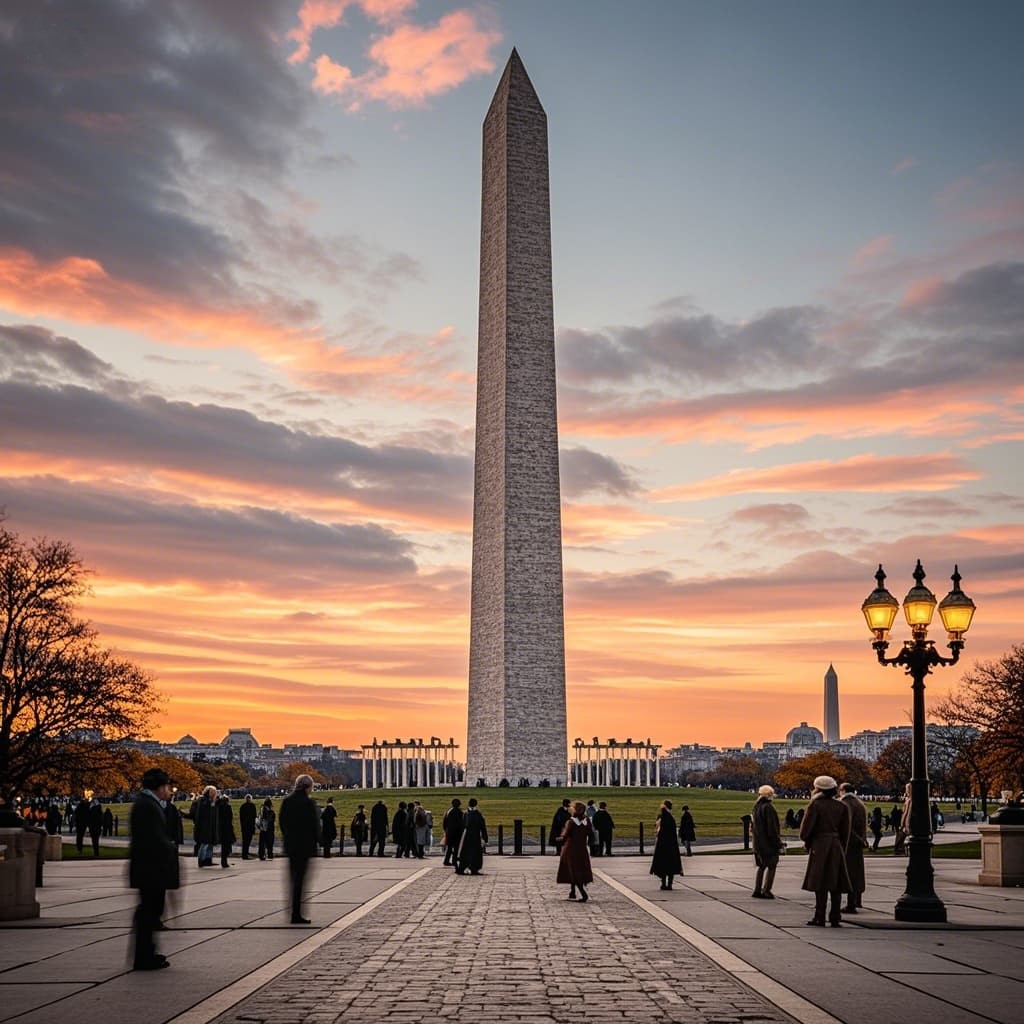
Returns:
point(153, 867)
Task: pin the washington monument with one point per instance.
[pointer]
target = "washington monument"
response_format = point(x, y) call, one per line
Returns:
point(517, 647)
point(831, 705)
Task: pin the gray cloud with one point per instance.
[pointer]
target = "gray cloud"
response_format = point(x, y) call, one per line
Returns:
point(138, 534)
point(772, 515)
point(584, 471)
point(107, 109)
point(30, 352)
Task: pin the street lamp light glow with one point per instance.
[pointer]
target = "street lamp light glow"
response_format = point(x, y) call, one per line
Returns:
point(919, 604)
point(956, 609)
point(880, 608)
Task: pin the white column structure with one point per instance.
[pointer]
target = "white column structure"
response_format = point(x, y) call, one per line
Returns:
point(364, 767)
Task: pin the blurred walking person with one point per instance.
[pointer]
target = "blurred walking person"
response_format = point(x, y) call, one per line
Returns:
point(152, 866)
point(574, 861)
point(359, 829)
point(328, 826)
point(378, 827)
point(225, 828)
point(687, 830)
point(300, 826)
point(451, 824)
point(666, 862)
point(604, 825)
point(472, 842)
point(876, 826)
point(768, 844)
point(204, 826)
point(266, 826)
point(398, 829)
point(855, 847)
point(247, 823)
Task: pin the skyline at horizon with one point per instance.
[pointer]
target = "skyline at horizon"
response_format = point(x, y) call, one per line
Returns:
point(238, 316)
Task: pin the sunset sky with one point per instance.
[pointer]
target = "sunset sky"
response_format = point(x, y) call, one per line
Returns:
point(238, 301)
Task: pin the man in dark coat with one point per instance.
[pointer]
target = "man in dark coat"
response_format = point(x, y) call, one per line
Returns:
point(562, 815)
point(153, 866)
point(825, 831)
point(247, 823)
point(108, 822)
point(471, 845)
point(604, 826)
point(768, 844)
point(574, 861)
point(81, 824)
point(300, 829)
point(378, 827)
point(451, 824)
point(95, 824)
point(328, 826)
point(53, 819)
point(225, 828)
point(687, 829)
point(175, 826)
point(398, 829)
point(855, 847)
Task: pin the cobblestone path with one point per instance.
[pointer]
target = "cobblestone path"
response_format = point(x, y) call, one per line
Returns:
point(504, 947)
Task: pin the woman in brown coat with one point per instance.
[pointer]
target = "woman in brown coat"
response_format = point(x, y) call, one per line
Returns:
point(825, 831)
point(574, 860)
point(666, 862)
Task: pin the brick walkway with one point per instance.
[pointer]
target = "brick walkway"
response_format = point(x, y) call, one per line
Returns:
point(504, 947)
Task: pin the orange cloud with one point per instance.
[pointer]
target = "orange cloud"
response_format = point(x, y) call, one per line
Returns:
point(597, 524)
point(870, 252)
point(922, 292)
point(860, 473)
point(409, 63)
point(81, 290)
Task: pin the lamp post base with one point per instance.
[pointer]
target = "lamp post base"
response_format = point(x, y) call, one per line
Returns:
point(921, 909)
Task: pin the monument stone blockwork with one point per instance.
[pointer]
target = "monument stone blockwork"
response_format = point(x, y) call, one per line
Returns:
point(517, 649)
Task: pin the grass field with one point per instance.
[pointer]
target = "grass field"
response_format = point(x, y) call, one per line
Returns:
point(717, 813)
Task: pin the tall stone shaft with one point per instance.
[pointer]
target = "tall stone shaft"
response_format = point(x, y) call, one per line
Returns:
point(517, 647)
point(831, 706)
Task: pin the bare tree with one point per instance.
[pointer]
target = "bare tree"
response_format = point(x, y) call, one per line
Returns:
point(66, 703)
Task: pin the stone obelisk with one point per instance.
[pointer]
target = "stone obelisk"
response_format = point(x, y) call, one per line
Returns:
point(831, 705)
point(517, 646)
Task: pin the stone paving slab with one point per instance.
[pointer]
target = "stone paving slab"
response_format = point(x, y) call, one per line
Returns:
point(999, 998)
point(19, 999)
point(505, 947)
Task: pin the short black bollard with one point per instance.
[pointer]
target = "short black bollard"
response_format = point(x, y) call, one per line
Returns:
point(517, 837)
point(341, 840)
point(117, 825)
point(641, 838)
point(542, 834)
point(501, 840)
point(746, 819)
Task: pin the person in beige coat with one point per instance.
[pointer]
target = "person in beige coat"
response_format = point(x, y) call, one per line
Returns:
point(825, 831)
point(855, 847)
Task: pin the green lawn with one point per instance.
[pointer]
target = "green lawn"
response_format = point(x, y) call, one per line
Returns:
point(717, 813)
point(70, 852)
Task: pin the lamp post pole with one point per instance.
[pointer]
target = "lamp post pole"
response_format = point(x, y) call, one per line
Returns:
point(918, 656)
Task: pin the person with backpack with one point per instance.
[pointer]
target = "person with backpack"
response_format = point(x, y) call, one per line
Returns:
point(358, 830)
point(423, 821)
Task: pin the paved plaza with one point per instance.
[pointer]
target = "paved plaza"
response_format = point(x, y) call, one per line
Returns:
point(401, 940)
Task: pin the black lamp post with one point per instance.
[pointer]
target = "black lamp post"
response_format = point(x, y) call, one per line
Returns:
point(918, 655)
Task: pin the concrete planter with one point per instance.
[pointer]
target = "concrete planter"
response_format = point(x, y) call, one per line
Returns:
point(1002, 855)
point(18, 874)
point(53, 848)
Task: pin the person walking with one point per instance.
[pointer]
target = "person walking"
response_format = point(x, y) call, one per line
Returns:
point(687, 830)
point(855, 847)
point(378, 827)
point(152, 866)
point(247, 823)
point(95, 824)
point(591, 811)
point(472, 842)
point(108, 822)
point(225, 828)
point(299, 827)
point(903, 825)
point(768, 844)
point(328, 827)
point(175, 825)
point(666, 862)
point(876, 825)
point(398, 829)
point(205, 826)
point(561, 816)
point(359, 830)
point(604, 826)
point(574, 861)
point(452, 824)
point(266, 825)
point(825, 832)
point(411, 809)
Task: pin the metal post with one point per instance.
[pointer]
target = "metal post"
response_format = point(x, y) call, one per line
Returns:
point(341, 840)
point(364, 767)
point(517, 837)
point(920, 901)
point(501, 839)
point(641, 838)
point(543, 833)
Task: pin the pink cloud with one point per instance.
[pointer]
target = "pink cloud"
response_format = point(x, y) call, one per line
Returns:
point(871, 251)
point(922, 292)
point(317, 14)
point(904, 165)
point(331, 79)
point(420, 62)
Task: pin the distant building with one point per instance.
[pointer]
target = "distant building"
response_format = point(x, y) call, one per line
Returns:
point(803, 739)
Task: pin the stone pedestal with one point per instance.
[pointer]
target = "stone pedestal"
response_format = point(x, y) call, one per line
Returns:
point(53, 848)
point(18, 874)
point(1002, 855)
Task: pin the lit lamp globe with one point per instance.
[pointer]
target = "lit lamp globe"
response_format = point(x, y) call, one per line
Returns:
point(880, 608)
point(919, 604)
point(956, 610)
